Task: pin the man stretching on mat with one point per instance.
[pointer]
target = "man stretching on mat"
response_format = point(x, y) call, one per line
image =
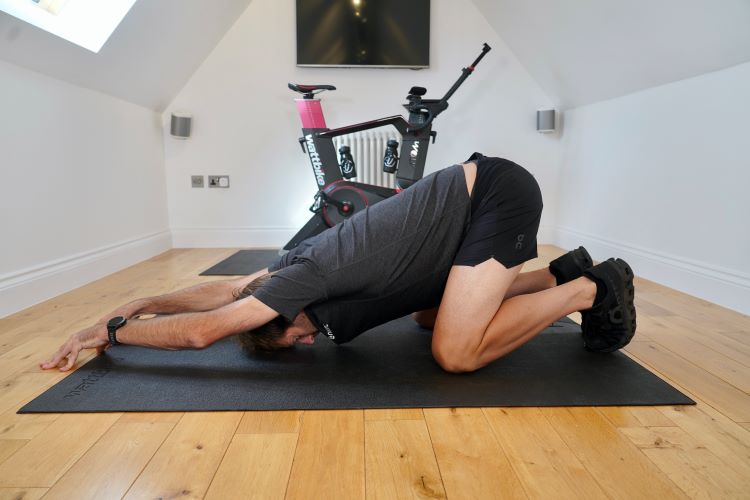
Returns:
point(449, 249)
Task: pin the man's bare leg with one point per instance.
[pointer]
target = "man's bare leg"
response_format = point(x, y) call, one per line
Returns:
point(521, 318)
point(530, 282)
point(476, 324)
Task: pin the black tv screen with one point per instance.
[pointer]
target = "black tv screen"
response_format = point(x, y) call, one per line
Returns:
point(384, 33)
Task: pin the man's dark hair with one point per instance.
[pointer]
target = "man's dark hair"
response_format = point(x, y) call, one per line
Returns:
point(265, 337)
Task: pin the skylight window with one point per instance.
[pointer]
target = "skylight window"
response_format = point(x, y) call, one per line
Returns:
point(87, 23)
point(51, 6)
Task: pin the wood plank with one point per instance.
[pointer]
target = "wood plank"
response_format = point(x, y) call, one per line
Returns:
point(394, 414)
point(746, 425)
point(545, 465)
point(696, 348)
point(635, 416)
point(616, 464)
point(22, 493)
point(111, 465)
point(9, 446)
point(14, 426)
point(27, 355)
point(699, 311)
point(742, 337)
point(187, 460)
point(270, 422)
point(719, 342)
point(10, 340)
point(256, 466)
point(644, 306)
point(400, 463)
point(692, 467)
point(329, 460)
point(64, 315)
point(166, 417)
point(720, 394)
point(471, 462)
point(17, 391)
point(46, 457)
point(724, 438)
point(648, 328)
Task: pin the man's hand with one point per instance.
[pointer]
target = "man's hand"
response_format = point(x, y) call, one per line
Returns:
point(94, 336)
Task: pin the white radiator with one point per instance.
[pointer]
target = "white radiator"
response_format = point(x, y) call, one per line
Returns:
point(368, 148)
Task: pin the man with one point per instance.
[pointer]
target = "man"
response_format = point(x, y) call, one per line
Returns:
point(449, 249)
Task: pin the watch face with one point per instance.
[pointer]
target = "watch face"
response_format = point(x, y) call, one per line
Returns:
point(116, 322)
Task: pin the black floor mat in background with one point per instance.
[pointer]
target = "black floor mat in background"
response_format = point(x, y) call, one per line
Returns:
point(243, 263)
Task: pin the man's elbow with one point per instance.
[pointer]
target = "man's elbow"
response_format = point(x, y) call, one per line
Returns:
point(198, 341)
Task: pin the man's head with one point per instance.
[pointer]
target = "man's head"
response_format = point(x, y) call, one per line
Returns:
point(279, 333)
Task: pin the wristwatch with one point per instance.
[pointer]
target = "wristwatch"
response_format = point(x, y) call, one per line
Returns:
point(112, 326)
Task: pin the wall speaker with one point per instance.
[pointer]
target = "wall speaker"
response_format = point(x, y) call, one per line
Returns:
point(545, 120)
point(180, 126)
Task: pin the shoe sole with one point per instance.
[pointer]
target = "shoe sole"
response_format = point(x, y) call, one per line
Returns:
point(625, 273)
point(629, 297)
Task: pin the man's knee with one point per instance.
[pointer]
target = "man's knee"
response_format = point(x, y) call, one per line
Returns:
point(452, 361)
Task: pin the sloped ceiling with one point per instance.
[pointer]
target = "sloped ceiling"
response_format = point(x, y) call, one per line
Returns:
point(148, 58)
point(583, 51)
point(579, 51)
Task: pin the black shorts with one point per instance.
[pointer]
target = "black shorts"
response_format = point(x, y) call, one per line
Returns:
point(506, 206)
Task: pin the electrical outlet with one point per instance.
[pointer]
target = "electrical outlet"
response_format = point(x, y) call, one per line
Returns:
point(218, 181)
point(197, 181)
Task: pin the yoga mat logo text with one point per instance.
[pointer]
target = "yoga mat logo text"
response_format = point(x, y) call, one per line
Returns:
point(88, 381)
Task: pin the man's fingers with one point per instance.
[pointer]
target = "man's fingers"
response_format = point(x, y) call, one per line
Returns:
point(71, 359)
point(55, 360)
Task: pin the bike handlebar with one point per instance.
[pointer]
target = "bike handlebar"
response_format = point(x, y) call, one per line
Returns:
point(435, 108)
point(465, 72)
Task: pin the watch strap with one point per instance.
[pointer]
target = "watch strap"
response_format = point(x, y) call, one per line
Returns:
point(112, 333)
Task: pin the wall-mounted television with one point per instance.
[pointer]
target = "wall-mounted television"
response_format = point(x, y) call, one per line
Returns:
point(370, 33)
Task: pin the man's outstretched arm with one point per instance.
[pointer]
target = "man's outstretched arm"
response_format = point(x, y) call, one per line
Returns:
point(180, 331)
point(201, 297)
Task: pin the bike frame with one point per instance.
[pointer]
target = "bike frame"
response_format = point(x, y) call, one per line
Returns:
point(317, 140)
point(317, 143)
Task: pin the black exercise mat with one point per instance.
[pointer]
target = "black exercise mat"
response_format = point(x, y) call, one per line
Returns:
point(243, 263)
point(389, 367)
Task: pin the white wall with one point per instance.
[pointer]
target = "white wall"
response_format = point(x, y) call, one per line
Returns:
point(661, 178)
point(245, 123)
point(82, 191)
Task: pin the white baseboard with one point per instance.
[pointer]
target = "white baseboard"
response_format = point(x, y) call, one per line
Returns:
point(725, 287)
point(24, 288)
point(213, 237)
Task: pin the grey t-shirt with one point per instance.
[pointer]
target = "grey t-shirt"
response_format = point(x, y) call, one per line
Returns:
point(386, 261)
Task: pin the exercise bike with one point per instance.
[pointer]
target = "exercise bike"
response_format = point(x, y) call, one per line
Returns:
point(338, 198)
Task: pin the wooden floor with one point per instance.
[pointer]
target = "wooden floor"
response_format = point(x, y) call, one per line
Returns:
point(625, 452)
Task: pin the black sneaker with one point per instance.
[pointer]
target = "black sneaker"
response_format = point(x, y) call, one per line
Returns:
point(610, 324)
point(571, 265)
